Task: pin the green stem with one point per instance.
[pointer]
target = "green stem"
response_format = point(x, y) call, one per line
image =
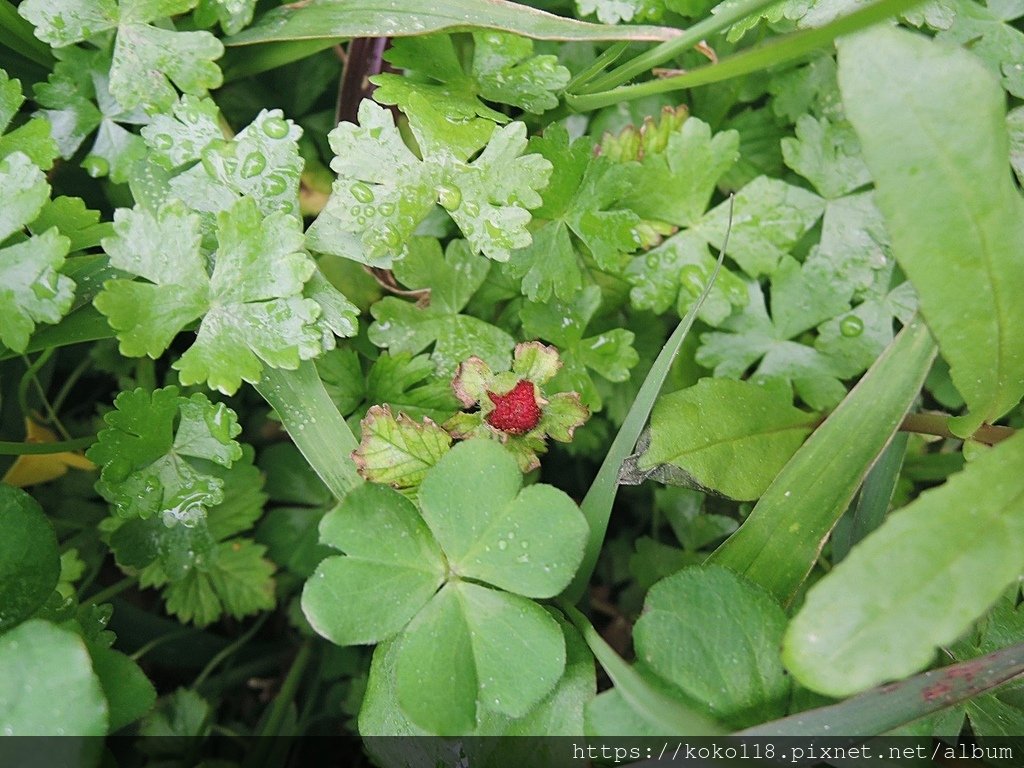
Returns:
point(156, 642)
point(672, 48)
point(108, 594)
point(597, 504)
point(314, 423)
point(936, 424)
point(290, 686)
point(8, 448)
point(69, 382)
point(755, 59)
point(608, 57)
point(228, 650)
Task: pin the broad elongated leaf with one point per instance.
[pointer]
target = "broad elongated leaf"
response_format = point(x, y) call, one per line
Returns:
point(779, 543)
point(931, 122)
point(401, 18)
point(732, 436)
point(857, 629)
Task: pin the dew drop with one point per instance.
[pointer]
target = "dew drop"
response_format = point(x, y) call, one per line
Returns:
point(361, 192)
point(391, 238)
point(472, 209)
point(163, 142)
point(851, 326)
point(253, 165)
point(449, 197)
point(503, 545)
point(275, 127)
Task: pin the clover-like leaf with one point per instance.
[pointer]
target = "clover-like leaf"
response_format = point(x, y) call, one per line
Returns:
point(527, 541)
point(391, 569)
point(469, 646)
point(384, 190)
point(146, 58)
point(251, 304)
point(32, 290)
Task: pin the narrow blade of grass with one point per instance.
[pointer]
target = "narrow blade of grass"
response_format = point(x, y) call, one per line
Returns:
point(597, 504)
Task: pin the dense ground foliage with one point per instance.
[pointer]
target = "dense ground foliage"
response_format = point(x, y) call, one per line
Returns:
point(617, 367)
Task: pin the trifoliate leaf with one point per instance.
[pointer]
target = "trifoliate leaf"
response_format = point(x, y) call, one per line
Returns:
point(582, 218)
point(503, 70)
point(675, 274)
point(32, 290)
point(468, 642)
point(262, 161)
point(452, 279)
point(146, 58)
point(384, 190)
point(752, 336)
point(677, 183)
point(251, 304)
point(769, 218)
point(398, 451)
point(609, 353)
point(989, 33)
point(146, 449)
point(80, 79)
point(33, 138)
point(827, 154)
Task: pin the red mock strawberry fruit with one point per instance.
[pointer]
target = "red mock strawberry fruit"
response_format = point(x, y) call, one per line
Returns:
point(513, 406)
point(516, 412)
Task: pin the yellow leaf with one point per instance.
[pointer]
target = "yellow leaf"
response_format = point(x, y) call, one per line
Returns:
point(42, 468)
